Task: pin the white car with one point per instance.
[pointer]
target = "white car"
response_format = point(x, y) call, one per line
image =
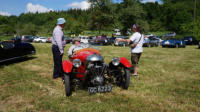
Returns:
point(40, 39)
point(84, 39)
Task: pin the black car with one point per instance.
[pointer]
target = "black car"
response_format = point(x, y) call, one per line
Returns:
point(10, 50)
point(190, 40)
point(112, 39)
point(100, 40)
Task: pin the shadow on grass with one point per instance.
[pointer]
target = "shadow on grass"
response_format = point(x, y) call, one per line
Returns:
point(19, 60)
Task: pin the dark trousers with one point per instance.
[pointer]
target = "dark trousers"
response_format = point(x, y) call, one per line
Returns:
point(57, 58)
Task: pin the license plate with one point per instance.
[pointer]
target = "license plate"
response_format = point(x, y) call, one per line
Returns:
point(100, 89)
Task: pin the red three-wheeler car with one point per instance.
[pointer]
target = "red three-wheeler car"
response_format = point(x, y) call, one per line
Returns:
point(87, 68)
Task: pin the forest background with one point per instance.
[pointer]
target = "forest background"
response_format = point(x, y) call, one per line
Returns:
point(180, 16)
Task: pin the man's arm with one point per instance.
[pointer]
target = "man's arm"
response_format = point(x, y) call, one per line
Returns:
point(124, 40)
point(70, 51)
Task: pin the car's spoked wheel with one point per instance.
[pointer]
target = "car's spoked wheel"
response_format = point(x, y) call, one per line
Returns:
point(67, 85)
point(125, 78)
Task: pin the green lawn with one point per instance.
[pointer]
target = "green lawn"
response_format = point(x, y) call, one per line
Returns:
point(169, 81)
point(5, 37)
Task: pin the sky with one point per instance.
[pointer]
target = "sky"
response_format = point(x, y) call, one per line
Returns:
point(16, 7)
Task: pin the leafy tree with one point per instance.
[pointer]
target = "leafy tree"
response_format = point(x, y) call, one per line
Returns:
point(172, 15)
point(131, 12)
point(7, 29)
point(30, 29)
point(101, 16)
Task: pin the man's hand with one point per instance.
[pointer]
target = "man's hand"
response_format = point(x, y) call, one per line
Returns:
point(61, 54)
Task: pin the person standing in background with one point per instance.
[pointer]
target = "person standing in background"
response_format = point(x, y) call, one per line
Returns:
point(58, 47)
point(136, 42)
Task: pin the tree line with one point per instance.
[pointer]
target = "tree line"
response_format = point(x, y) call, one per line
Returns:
point(104, 15)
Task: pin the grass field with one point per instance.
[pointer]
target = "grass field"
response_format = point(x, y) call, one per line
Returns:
point(169, 81)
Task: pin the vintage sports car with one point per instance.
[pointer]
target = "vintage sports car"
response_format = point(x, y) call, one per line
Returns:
point(87, 68)
point(13, 49)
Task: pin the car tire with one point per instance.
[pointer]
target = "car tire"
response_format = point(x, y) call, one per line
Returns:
point(125, 78)
point(67, 85)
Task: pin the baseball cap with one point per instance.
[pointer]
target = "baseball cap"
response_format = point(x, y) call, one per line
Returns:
point(61, 21)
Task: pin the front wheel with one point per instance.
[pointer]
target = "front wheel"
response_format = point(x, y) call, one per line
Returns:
point(67, 85)
point(125, 78)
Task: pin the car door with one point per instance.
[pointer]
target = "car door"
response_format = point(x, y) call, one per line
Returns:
point(2, 52)
point(7, 50)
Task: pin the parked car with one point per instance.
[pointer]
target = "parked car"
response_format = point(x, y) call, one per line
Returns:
point(190, 40)
point(84, 39)
point(49, 39)
point(100, 40)
point(172, 34)
point(68, 40)
point(112, 39)
point(11, 50)
point(120, 43)
point(28, 38)
point(152, 41)
point(87, 68)
point(40, 40)
point(173, 42)
point(157, 38)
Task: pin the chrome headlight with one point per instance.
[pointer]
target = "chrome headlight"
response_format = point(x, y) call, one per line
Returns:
point(115, 61)
point(76, 63)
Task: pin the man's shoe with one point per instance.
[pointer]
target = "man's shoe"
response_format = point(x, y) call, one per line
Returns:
point(134, 74)
point(55, 77)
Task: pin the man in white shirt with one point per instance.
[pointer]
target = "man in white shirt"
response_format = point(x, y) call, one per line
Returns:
point(136, 42)
point(58, 47)
point(75, 47)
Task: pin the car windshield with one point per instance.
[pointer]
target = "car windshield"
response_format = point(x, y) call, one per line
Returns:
point(84, 45)
point(88, 47)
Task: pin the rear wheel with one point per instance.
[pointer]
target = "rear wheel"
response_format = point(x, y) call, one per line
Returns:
point(67, 85)
point(125, 78)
